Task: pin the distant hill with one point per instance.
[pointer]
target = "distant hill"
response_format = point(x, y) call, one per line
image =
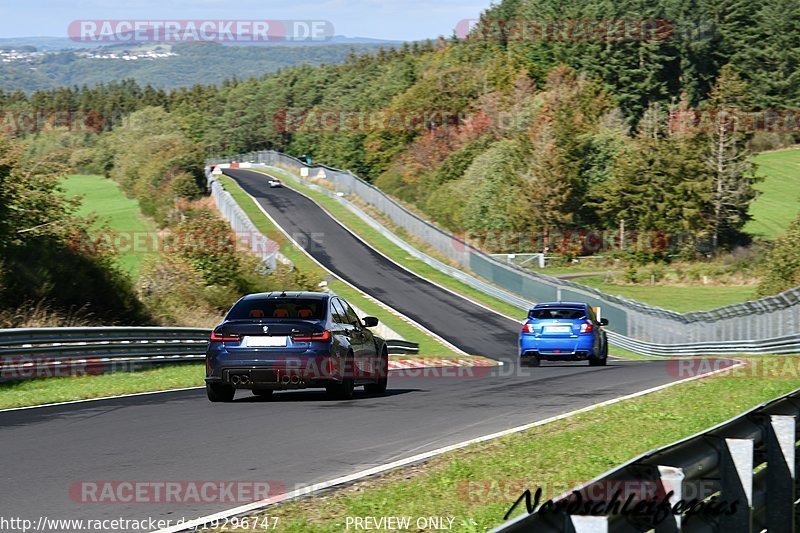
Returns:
point(52, 44)
point(195, 63)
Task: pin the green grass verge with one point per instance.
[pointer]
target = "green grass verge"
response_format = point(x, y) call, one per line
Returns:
point(779, 202)
point(428, 346)
point(545, 456)
point(677, 298)
point(103, 197)
point(65, 389)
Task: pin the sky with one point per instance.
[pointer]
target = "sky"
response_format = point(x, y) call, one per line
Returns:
point(381, 19)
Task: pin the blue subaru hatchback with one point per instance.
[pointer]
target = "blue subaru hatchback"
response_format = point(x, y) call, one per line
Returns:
point(563, 331)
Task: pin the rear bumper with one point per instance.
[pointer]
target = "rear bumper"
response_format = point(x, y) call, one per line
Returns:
point(270, 378)
point(309, 369)
point(577, 348)
point(271, 369)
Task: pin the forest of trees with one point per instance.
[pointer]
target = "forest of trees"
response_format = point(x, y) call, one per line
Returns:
point(579, 129)
point(561, 133)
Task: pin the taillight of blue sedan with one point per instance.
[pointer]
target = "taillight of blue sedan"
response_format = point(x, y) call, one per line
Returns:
point(563, 331)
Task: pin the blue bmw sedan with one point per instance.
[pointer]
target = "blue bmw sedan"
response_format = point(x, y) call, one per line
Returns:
point(563, 331)
point(295, 340)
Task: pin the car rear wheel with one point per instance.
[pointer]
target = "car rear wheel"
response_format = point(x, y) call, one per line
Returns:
point(343, 390)
point(266, 393)
point(533, 360)
point(597, 361)
point(379, 387)
point(218, 392)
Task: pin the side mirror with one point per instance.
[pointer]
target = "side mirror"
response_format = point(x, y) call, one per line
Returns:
point(603, 321)
point(370, 321)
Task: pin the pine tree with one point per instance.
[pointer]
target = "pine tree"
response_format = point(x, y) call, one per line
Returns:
point(727, 157)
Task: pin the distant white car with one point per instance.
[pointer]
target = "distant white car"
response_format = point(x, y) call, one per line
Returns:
point(274, 182)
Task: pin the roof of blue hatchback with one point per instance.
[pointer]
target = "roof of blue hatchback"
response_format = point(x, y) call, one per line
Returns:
point(560, 304)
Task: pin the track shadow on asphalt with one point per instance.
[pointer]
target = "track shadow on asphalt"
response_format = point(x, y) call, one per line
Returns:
point(317, 396)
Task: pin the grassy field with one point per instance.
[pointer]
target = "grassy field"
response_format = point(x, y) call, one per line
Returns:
point(779, 202)
point(477, 485)
point(677, 298)
point(104, 198)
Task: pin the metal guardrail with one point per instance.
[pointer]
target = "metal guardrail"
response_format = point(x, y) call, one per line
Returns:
point(398, 347)
point(247, 233)
point(49, 352)
point(789, 344)
point(750, 460)
point(55, 352)
point(766, 318)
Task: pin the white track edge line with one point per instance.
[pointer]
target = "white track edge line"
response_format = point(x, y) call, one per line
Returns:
point(193, 524)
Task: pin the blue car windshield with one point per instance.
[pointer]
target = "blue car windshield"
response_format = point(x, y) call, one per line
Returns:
point(559, 313)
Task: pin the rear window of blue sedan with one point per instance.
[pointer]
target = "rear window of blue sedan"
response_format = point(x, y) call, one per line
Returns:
point(272, 308)
point(565, 313)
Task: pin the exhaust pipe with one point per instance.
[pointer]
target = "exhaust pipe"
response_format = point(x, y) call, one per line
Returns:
point(244, 379)
point(235, 379)
point(295, 380)
point(285, 379)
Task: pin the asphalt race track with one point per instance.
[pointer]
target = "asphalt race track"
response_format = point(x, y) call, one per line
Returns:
point(297, 438)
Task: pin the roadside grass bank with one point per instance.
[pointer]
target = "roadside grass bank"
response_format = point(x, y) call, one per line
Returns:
point(115, 211)
point(779, 199)
point(477, 485)
point(428, 346)
point(83, 387)
point(678, 298)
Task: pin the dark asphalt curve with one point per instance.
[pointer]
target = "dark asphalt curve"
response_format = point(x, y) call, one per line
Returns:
point(472, 328)
point(296, 438)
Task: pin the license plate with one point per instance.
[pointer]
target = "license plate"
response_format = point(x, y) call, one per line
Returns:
point(558, 329)
point(260, 342)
